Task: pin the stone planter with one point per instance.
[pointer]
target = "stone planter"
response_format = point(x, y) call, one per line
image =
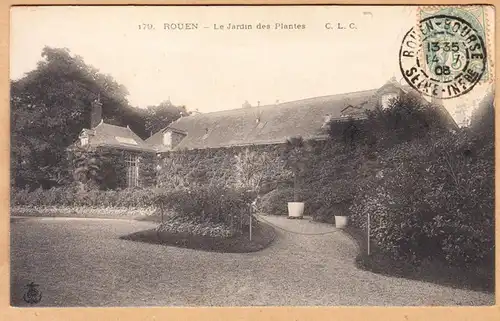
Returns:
point(295, 209)
point(340, 213)
point(340, 221)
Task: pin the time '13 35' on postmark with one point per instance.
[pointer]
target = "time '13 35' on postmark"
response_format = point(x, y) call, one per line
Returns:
point(443, 57)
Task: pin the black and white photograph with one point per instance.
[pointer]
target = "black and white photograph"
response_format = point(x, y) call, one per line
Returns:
point(252, 156)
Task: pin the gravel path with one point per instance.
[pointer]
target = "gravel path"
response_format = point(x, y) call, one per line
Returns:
point(84, 263)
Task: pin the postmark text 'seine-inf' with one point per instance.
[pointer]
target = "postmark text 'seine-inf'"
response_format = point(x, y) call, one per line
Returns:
point(444, 56)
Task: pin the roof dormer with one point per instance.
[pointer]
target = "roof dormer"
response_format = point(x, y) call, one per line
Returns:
point(171, 137)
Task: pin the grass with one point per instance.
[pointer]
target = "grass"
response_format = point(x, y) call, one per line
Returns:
point(262, 236)
point(429, 271)
point(84, 263)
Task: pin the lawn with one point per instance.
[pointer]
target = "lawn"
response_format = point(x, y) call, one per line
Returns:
point(85, 263)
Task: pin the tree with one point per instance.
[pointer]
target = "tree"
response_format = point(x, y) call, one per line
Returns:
point(160, 116)
point(50, 105)
point(296, 157)
point(349, 130)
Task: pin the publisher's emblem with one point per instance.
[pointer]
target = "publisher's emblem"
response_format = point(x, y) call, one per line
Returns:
point(33, 295)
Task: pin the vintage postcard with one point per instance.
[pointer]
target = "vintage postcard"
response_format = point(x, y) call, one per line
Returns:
point(252, 156)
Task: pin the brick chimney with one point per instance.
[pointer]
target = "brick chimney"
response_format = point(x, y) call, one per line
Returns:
point(95, 113)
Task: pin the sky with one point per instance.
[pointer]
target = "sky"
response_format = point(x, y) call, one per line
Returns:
point(209, 69)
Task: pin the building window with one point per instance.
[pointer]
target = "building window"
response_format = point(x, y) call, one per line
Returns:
point(132, 163)
point(126, 140)
point(261, 125)
point(167, 139)
point(387, 99)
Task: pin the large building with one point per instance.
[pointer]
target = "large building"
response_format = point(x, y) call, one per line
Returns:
point(258, 125)
point(271, 124)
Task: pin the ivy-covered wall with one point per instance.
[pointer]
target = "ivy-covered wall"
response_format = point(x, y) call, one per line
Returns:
point(106, 168)
point(229, 167)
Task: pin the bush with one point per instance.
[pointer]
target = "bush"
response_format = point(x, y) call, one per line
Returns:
point(435, 201)
point(213, 204)
point(429, 191)
point(276, 201)
point(332, 200)
point(58, 196)
point(41, 197)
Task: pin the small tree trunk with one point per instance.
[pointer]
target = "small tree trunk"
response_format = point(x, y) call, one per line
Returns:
point(368, 234)
point(295, 188)
point(250, 226)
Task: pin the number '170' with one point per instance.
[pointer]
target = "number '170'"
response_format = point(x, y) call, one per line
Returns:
point(146, 26)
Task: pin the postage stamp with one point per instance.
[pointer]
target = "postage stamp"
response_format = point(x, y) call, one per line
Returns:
point(445, 55)
point(478, 16)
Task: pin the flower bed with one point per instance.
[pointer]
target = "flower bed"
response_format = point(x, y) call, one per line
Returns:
point(262, 236)
point(82, 211)
point(180, 224)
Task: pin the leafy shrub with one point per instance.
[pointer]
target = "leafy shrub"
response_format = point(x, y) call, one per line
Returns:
point(333, 178)
point(435, 201)
point(210, 204)
point(429, 191)
point(41, 197)
point(332, 200)
point(131, 198)
point(275, 202)
point(296, 156)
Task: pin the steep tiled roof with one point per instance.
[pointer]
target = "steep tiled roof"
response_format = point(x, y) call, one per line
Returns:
point(115, 136)
point(269, 124)
point(156, 141)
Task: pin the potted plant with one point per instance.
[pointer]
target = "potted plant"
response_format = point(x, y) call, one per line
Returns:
point(296, 159)
point(341, 198)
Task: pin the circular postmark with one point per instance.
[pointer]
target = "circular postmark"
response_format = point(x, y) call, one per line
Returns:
point(443, 57)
